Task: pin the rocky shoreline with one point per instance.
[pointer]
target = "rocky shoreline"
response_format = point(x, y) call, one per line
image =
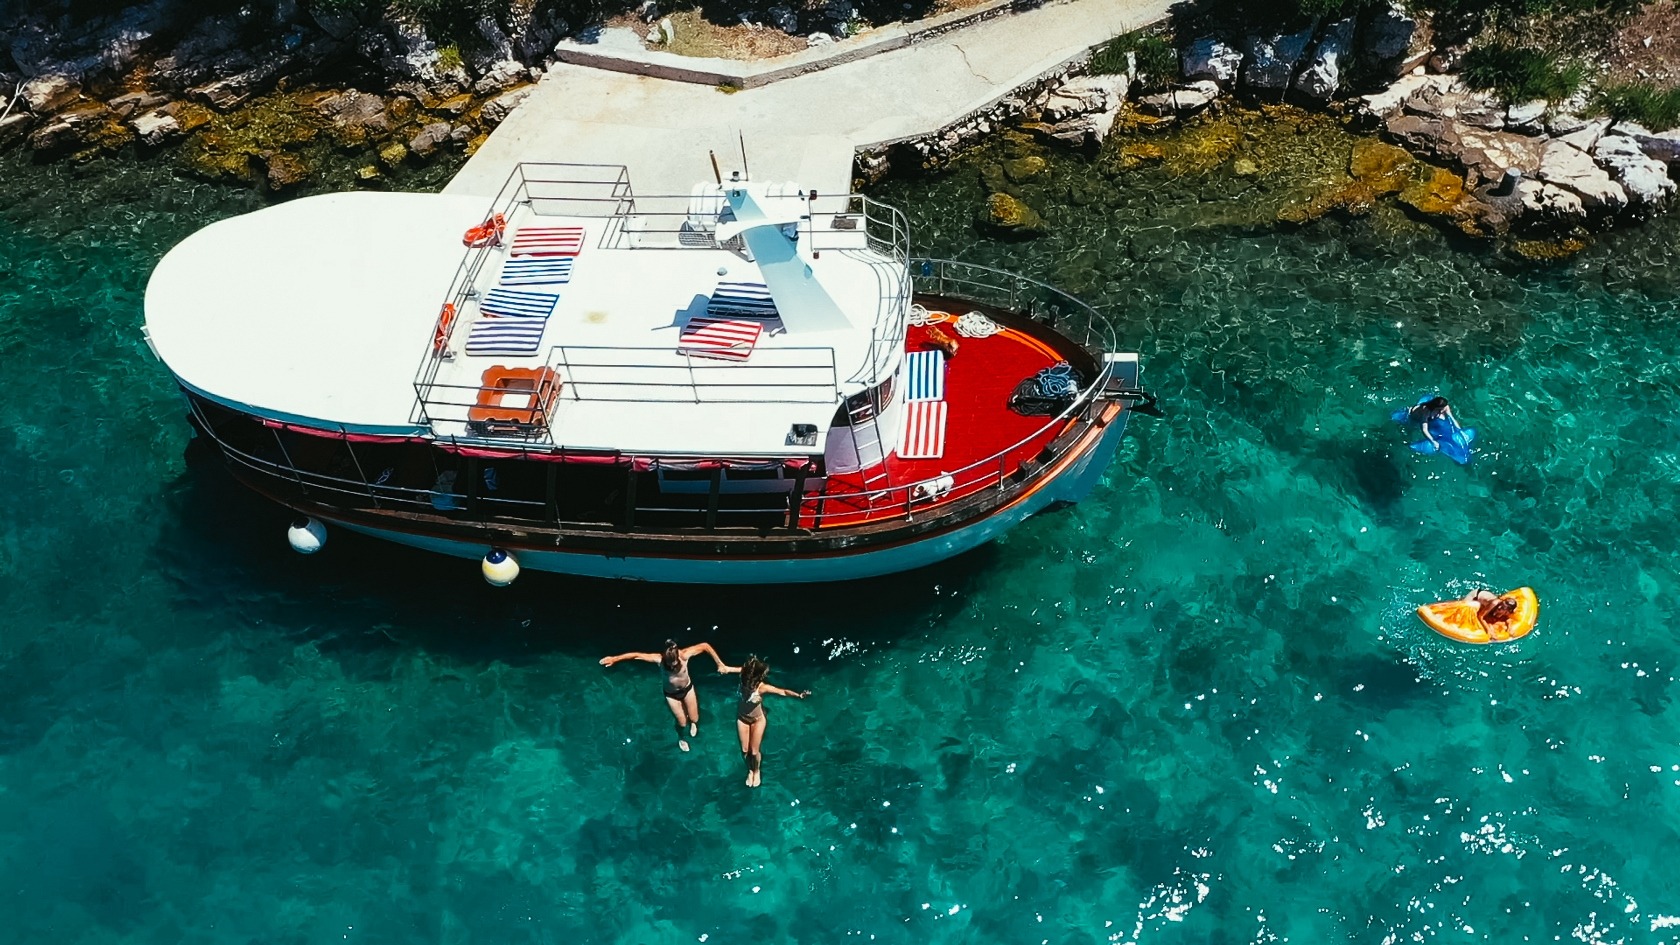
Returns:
point(260, 96)
point(1532, 168)
point(281, 98)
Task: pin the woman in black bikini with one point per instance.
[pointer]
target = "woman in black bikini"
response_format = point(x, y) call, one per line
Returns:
point(679, 688)
point(749, 712)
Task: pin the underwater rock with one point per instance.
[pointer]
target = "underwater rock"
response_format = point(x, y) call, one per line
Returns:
point(1435, 191)
point(1549, 250)
point(1323, 74)
point(1135, 154)
point(285, 170)
point(1004, 215)
point(1381, 166)
point(1024, 168)
point(1243, 167)
point(393, 154)
point(1211, 58)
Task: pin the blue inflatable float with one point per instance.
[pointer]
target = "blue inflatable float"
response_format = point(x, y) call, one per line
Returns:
point(1454, 441)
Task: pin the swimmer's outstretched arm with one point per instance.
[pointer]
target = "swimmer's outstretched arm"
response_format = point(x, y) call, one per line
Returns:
point(779, 691)
point(706, 648)
point(644, 657)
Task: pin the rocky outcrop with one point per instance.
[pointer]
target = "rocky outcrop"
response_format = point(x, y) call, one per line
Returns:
point(430, 138)
point(497, 109)
point(1185, 99)
point(1644, 178)
point(1393, 42)
point(1270, 61)
point(1567, 166)
point(1322, 76)
point(1082, 110)
point(1661, 146)
point(1571, 168)
point(1211, 58)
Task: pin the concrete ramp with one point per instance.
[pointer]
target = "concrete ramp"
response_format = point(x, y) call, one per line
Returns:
point(804, 128)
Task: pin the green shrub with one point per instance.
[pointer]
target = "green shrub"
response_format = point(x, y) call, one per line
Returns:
point(1520, 75)
point(1157, 60)
point(449, 57)
point(1641, 102)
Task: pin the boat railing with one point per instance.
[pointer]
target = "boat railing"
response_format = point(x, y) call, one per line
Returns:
point(1016, 464)
point(793, 375)
point(1067, 315)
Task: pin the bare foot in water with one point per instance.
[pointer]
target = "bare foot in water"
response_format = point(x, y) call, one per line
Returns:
point(693, 729)
point(682, 743)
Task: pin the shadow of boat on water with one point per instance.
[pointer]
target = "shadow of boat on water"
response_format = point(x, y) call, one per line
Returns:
point(367, 593)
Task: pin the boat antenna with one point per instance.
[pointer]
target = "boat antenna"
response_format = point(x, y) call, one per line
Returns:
point(744, 172)
point(715, 172)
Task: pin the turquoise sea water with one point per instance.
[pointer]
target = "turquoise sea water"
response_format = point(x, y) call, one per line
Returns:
point(1196, 708)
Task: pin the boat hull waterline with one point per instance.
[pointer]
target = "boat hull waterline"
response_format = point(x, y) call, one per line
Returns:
point(1071, 483)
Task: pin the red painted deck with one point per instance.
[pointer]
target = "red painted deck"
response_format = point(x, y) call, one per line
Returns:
point(978, 382)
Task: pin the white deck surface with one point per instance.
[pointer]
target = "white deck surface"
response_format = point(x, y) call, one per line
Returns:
point(319, 311)
point(315, 311)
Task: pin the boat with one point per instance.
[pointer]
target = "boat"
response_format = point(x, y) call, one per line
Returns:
point(750, 383)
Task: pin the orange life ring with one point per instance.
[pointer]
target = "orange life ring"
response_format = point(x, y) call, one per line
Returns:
point(488, 233)
point(445, 322)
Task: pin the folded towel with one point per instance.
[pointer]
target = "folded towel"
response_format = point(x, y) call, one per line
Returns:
point(745, 299)
point(547, 241)
point(537, 270)
point(511, 303)
point(520, 336)
point(729, 339)
point(924, 375)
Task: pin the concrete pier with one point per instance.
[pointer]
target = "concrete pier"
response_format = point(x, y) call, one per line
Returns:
point(805, 127)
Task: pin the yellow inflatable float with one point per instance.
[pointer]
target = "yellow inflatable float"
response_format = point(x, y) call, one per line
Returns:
point(1460, 619)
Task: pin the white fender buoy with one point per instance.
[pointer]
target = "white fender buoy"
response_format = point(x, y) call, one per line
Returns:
point(499, 567)
point(307, 536)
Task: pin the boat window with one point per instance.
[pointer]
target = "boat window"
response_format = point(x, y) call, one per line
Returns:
point(866, 405)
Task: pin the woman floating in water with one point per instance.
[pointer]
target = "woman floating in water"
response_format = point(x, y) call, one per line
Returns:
point(679, 688)
point(1435, 408)
point(749, 712)
point(1441, 432)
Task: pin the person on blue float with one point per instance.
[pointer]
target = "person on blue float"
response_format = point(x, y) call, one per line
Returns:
point(750, 721)
point(1432, 409)
point(679, 686)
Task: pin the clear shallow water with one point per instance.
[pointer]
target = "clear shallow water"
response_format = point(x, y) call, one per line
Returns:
point(1197, 708)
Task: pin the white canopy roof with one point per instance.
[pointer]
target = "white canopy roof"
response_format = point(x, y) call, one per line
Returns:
point(319, 311)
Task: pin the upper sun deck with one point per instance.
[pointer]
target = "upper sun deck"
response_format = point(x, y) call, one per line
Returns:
point(708, 324)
